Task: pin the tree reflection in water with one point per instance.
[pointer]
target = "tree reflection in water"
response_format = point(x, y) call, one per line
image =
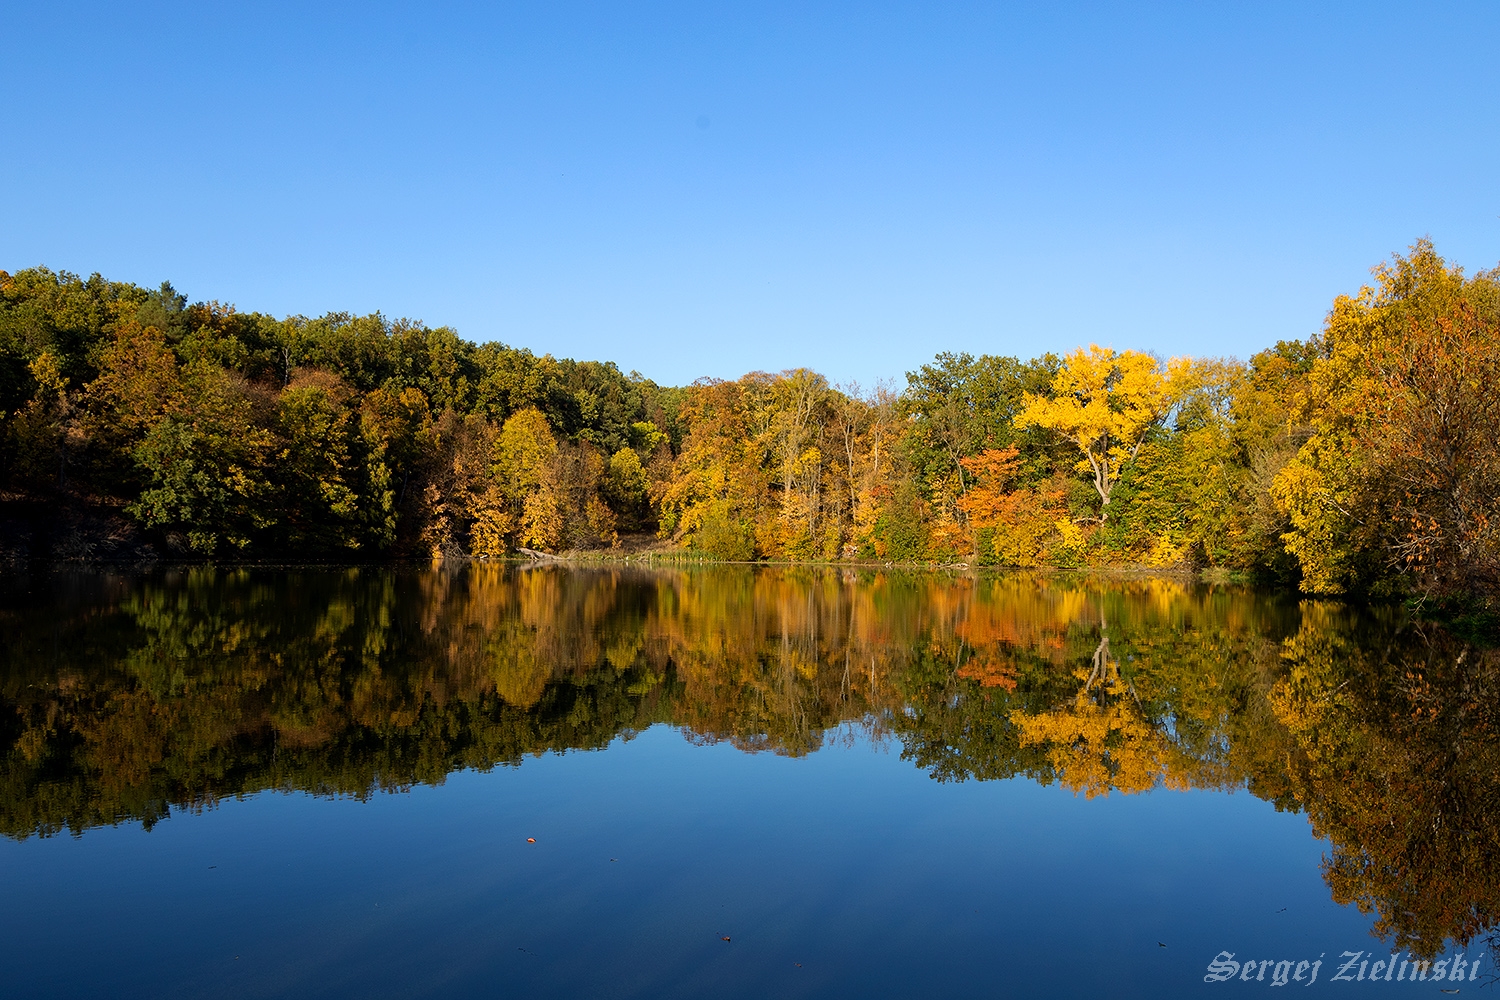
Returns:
point(125, 697)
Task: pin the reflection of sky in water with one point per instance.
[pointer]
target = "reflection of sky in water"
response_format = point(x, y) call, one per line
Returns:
point(835, 865)
point(878, 880)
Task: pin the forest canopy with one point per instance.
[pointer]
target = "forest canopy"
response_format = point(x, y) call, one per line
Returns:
point(1365, 459)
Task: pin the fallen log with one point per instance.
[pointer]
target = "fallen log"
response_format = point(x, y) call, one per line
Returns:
point(536, 556)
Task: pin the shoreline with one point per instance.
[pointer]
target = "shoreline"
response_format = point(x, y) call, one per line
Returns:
point(589, 559)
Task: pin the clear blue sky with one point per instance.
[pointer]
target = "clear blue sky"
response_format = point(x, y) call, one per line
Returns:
point(692, 189)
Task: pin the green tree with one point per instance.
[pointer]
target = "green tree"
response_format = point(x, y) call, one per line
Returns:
point(317, 464)
point(204, 463)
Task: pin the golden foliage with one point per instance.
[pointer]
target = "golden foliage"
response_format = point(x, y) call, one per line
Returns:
point(1105, 404)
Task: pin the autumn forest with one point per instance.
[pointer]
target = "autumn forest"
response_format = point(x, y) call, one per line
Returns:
point(1365, 459)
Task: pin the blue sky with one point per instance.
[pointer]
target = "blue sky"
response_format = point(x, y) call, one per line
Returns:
point(694, 189)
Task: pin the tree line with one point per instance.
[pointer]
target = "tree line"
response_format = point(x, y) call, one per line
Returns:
point(1365, 459)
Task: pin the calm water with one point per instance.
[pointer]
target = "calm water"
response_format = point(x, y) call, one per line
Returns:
point(328, 783)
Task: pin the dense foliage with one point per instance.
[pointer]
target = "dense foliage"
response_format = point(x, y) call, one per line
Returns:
point(1364, 459)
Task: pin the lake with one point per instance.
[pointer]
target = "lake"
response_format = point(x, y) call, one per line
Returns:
point(733, 782)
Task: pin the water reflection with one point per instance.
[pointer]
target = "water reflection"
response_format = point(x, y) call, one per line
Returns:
point(126, 697)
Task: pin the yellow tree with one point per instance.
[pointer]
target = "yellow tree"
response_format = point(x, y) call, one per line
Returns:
point(866, 432)
point(462, 509)
point(1400, 470)
point(1103, 741)
point(524, 467)
point(719, 484)
point(794, 429)
point(1106, 404)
